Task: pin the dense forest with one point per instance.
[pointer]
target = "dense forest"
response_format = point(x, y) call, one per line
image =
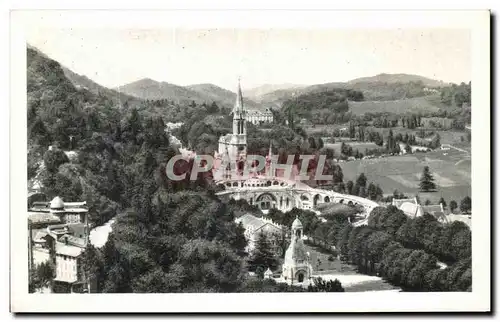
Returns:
point(404, 251)
point(177, 236)
point(168, 236)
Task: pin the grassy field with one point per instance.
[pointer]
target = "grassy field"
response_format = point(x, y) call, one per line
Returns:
point(361, 146)
point(451, 171)
point(351, 280)
point(447, 137)
point(410, 105)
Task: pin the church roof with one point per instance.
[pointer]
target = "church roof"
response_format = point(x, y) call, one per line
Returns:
point(296, 223)
point(296, 251)
point(238, 105)
point(57, 203)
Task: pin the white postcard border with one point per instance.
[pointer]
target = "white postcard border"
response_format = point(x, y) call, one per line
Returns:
point(478, 22)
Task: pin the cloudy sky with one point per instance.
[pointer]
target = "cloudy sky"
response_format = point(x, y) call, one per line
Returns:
point(114, 57)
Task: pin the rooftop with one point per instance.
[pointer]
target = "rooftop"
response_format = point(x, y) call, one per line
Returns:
point(72, 240)
point(42, 218)
point(255, 223)
point(466, 219)
point(68, 250)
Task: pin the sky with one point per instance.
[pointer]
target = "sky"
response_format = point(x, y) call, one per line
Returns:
point(114, 57)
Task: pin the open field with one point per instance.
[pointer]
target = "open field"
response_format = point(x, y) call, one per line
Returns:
point(451, 170)
point(361, 146)
point(351, 280)
point(423, 104)
point(453, 137)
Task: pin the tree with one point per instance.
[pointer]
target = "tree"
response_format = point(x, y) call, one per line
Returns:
point(453, 205)
point(466, 204)
point(349, 186)
point(262, 256)
point(320, 285)
point(361, 181)
point(92, 268)
point(338, 176)
point(442, 202)
point(427, 202)
point(53, 159)
point(427, 180)
point(372, 191)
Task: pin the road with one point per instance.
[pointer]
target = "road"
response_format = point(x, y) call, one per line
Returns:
point(458, 149)
point(99, 235)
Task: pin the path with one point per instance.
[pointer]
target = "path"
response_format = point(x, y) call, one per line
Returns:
point(99, 235)
point(459, 149)
point(351, 280)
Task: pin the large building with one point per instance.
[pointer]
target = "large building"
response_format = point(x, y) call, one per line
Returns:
point(59, 233)
point(259, 117)
point(413, 209)
point(254, 226)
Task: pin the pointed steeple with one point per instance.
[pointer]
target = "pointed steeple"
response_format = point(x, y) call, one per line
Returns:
point(238, 105)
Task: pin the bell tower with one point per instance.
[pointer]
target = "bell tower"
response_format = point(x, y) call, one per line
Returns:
point(239, 125)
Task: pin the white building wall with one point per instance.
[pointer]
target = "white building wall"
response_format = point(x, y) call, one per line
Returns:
point(66, 268)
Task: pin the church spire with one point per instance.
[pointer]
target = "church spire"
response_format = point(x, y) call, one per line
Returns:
point(238, 105)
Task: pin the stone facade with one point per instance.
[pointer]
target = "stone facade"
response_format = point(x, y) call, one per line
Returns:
point(259, 117)
point(297, 267)
point(234, 145)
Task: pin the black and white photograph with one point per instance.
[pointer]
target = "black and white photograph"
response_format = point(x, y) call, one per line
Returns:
point(187, 160)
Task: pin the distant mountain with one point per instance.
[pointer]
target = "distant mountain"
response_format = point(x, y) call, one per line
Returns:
point(398, 78)
point(382, 87)
point(221, 95)
point(257, 92)
point(83, 82)
point(150, 89)
point(199, 93)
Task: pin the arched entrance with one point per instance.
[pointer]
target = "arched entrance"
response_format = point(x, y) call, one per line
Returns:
point(315, 200)
point(300, 277)
point(265, 201)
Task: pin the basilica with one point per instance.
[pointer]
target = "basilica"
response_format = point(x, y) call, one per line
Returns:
point(234, 145)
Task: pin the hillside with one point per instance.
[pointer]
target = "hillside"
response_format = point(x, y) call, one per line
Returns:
point(57, 109)
point(415, 105)
point(220, 95)
point(199, 93)
point(83, 82)
point(398, 78)
point(257, 92)
point(382, 87)
point(149, 89)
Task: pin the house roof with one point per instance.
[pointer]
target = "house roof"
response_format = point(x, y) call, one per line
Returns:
point(466, 219)
point(39, 236)
point(399, 202)
point(255, 223)
point(72, 240)
point(77, 204)
point(68, 250)
point(411, 209)
point(42, 218)
point(432, 208)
